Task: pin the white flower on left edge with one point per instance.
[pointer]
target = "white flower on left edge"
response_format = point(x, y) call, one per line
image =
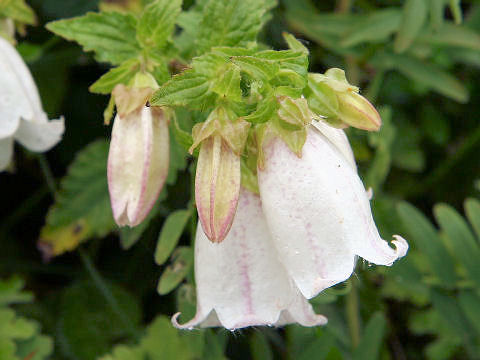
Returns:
point(21, 114)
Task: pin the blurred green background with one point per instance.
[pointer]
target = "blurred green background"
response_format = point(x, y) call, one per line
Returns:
point(417, 61)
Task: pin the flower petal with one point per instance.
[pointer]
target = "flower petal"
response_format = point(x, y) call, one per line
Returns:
point(217, 187)
point(137, 164)
point(6, 151)
point(318, 213)
point(19, 96)
point(40, 136)
point(241, 278)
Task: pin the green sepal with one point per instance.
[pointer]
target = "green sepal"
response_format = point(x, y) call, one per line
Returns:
point(293, 139)
point(294, 44)
point(293, 114)
point(264, 112)
point(321, 98)
point(249, 179)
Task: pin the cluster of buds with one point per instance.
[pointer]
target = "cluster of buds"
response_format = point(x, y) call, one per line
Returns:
point(283, 213)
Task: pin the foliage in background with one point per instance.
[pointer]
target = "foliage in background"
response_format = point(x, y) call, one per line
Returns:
point(417, 60)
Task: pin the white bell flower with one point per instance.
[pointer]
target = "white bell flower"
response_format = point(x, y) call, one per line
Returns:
point(241, 282)
point(137, 163)
point(318, 212)
point(21, 114)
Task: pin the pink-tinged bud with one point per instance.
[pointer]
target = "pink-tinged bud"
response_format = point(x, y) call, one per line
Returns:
point(356, 111)
point(137, 163)
point(217, 187)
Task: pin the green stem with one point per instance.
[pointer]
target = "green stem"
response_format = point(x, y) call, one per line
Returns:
point(353, 316)
point(343, 6)
point(106, 292)
point(47, 174)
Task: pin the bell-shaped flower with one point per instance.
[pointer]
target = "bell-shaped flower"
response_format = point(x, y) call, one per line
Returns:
point(318, 212)
point(241, 281)
point(21, 114)
point(217, 180)
point(138, 157)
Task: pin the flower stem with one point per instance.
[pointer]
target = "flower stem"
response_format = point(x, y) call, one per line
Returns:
point(353, 317)
point(47, 174)
point(106, 292)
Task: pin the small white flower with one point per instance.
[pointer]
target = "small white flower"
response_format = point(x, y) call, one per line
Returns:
point(318, 212)
point(137, 163)
point(241, 282)
point(21, 114)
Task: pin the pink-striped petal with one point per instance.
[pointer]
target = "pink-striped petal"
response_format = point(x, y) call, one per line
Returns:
point(137, 164)
point(240, 282)
point(318, 213)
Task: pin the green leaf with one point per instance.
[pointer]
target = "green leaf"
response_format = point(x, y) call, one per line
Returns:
point(171, 231)
point(119, 75)
point(374, 27)
point(182, 262)
point(111, 35)
point(428, 75)
point(371, 342)
point(413, 18)
point(259, 69)
point(38, 347)
point(260, 347)
point(17, 10)
point(157, 23)
point(228, 83)
point(452, 35)
point(230, 23)
point(11, 292)
point(264, 112)
point(461, 239)
point(82, 208)
point(472, 208)
point(130, 235)
point(469, 302)
point(13, 327)
point(186, 88)
point(93, 333)
point(294, 44)
point(423, 235)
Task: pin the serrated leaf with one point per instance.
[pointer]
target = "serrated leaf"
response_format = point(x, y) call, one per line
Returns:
point(157, 23)
point(466, 248)
point(230, 23)
point(294, 44)
point(13, 327)
point(413, 18)
point(93, 333)
point(259, 69)
point(173, 275)
point(374, 27)
point(227, 84)
point(111, 35)
point(119, 75)
point(422, 234)
point(170, 234)
point(296, 61)
point(39, 347)
point(186, 88)
point(369, 346)
point(17, 10)
point(82, 208)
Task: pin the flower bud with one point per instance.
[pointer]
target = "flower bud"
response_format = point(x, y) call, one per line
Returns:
point(339, 103)
point(137, 163)
point(217, 187)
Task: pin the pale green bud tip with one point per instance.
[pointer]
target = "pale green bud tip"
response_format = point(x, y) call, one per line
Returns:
point(356, 111)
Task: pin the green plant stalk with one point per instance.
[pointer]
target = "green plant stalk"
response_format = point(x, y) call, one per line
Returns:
point(47, 174)
point(353, 316)
point(106, 292)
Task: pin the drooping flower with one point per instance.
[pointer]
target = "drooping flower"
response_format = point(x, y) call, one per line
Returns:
point(318, 211)
point(241, 282)
point(138, 157)
point(21, 114)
